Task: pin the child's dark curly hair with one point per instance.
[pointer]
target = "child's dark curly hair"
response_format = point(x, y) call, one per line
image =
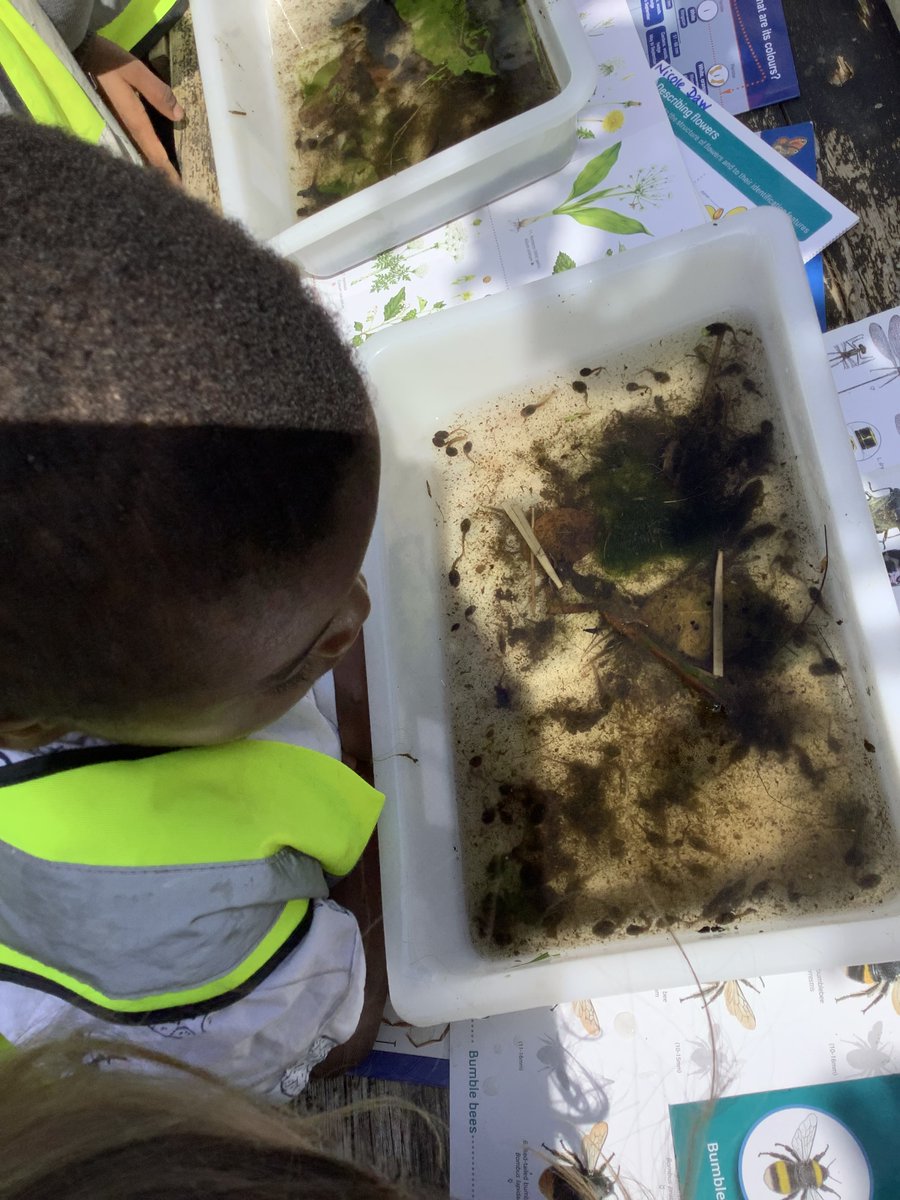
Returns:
point(177, 417)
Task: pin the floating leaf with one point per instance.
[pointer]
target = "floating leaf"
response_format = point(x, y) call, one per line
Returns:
point(321, 80)
point(564, 262)
point(605, 218)
point(595, 171)
point(444, 32)
point(395, 305)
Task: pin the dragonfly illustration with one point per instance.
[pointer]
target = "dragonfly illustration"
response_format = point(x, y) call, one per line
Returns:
point(888, 345)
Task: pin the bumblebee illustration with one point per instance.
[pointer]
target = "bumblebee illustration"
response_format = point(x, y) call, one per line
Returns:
point(574, 1176)
point(798, 1174)
point(879, 979)
point(735, 1000)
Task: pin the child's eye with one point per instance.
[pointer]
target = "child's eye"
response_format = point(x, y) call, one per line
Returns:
point(287, 685)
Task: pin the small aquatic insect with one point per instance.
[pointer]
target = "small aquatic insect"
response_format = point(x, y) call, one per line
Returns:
point(735, 1000)
point(798, 1174)
point(879, 978)
point(884, 505)
point(574, 1176)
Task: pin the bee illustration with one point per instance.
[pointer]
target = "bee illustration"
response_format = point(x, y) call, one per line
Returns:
point(798, 1174)
point(789, 146)
point(716, 214)
point(586, 1013)
point(735, 1000)
point(879, 978)
point(884, 505)
point(574, 1177)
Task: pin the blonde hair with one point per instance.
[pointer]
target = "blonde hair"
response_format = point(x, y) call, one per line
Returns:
point(79, 1122)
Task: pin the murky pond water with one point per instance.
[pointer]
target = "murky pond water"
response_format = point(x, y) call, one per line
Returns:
point(609, 781)
point(373, 86)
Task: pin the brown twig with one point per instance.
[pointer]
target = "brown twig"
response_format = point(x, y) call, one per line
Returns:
point(717, 648)
point(532, 608)
point(515, 514)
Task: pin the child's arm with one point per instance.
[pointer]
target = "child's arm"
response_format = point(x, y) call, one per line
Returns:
point(360, 892)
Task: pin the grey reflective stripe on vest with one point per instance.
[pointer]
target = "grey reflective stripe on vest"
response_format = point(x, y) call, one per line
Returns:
point(132, 932)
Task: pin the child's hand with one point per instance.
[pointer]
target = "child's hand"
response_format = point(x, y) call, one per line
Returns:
point(122, 79)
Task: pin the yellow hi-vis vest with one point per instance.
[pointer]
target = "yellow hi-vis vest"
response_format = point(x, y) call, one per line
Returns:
point(138, 882)
point(49, 84)
point(141, 23)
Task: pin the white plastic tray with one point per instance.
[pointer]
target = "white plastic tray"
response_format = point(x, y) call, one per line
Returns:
point(426, 373)
point(250, 140)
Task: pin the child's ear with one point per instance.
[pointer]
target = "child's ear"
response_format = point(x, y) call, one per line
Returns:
point(343, 629)
point(17, 734)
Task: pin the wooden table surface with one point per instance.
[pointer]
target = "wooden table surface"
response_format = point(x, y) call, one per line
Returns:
point(847, 54)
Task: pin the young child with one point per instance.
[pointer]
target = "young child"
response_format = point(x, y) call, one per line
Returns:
point(188, 480)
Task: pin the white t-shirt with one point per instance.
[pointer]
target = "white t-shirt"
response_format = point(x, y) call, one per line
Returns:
point(269, 1040)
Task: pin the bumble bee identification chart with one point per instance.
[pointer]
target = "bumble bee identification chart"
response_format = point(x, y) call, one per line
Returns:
point(575, 1100)
point(806, 1141)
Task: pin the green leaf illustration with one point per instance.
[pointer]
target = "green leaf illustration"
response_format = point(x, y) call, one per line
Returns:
point(584, 201)
point(357, 339)
point(410, 316)
point(395, 305)
point(584, 133)
point(564, 262)
point(605, 218)
point(358, 326)
point(595, 171)
point(439, 304)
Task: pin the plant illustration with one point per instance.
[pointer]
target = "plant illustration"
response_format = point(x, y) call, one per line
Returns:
point(645, 188)
point(564, 262)
point(398, 308)
point(393, 267)
point(584, 133)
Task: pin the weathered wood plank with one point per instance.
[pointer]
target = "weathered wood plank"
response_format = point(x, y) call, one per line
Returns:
point(384, 1130)
point(192, 142)
point(848, 64)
